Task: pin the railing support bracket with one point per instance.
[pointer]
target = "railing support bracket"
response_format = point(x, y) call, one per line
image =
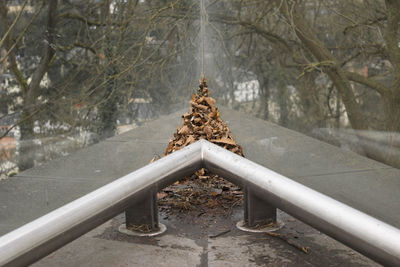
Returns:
point(259, 215)
point(141, 218)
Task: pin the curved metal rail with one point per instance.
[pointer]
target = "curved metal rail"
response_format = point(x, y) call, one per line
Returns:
point(373, 238)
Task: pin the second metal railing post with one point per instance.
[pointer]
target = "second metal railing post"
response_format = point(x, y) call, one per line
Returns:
point(257, 210)
point(143, 213)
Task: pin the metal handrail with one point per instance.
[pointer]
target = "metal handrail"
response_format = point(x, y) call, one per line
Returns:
point(373, 238)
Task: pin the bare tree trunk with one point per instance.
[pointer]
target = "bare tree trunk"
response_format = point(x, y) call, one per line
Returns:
point(335, 73)
point(264, 95)
point(392, 125)
point(391, 102)
point(340, 78)
point(108, 108)
point(30, 91)
point(283, 104)
point(338, 115)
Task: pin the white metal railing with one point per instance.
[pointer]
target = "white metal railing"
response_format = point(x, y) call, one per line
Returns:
point(372, 237)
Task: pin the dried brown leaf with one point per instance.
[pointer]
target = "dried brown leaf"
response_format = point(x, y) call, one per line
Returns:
point(209, 132)
point(189, 140)
point(200, 172)
point(199, 106)
point(170, 146)
point(224, 140)
point(185, 130)
point(214, 194)
point(180, 142)
point(161, 195)
point(197, 120)
point(210, 101)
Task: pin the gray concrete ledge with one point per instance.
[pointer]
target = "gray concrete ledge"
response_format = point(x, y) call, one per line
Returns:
point(357, 181)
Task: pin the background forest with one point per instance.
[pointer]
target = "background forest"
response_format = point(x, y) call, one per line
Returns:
point(75, 72)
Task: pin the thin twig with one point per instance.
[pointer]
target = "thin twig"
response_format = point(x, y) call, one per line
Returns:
point(219, 234)
point(289, 241)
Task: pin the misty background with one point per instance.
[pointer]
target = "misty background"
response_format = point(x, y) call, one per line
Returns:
point(76, 72)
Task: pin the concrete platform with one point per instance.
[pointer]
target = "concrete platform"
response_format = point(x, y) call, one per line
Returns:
point(359, 182)
point(187, 242)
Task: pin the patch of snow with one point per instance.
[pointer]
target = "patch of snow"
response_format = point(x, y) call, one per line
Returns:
point(247, 91)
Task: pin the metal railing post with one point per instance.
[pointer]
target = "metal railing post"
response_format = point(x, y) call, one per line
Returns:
point(143, 213)
point(257, 210)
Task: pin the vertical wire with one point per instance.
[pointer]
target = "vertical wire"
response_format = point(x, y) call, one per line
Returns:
point(202, 26)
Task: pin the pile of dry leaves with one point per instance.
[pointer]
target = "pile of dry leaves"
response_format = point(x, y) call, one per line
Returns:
point(203, 122)
point(203, 192)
